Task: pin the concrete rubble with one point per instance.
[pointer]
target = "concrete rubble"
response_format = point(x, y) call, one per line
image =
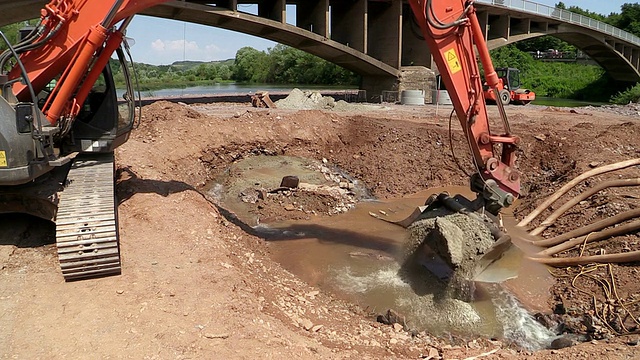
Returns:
point(313, 100)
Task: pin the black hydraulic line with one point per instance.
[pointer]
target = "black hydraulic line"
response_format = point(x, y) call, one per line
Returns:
point(436, 23)
point(31, 90)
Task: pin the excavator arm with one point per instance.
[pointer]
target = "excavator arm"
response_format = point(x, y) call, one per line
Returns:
point(453, 34)
point(77, 39)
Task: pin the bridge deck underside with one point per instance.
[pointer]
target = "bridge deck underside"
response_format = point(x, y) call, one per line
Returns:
point(282, 33)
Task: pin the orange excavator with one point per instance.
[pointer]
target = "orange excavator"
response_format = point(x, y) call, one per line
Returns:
point(61, 119)
point(509, 90)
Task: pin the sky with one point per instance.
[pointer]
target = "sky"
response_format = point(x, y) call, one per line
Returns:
point(162, 42)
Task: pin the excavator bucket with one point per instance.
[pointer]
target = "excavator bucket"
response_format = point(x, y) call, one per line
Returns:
point(453, 241)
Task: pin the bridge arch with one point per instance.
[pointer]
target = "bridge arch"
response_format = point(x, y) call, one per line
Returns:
point(616, 51)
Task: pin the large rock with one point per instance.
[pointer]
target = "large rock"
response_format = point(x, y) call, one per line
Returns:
point(458, 239)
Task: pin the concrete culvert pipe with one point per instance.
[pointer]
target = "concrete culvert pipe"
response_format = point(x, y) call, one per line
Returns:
point(412, 97)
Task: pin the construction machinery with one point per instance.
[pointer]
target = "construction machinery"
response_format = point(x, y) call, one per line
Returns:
point(509, 90)
point(60, 121)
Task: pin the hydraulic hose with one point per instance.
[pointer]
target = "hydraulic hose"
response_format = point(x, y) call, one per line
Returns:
point(568, 186)
point(619, 230)
point(614, 220)
point(627, 257)
point(585, 195)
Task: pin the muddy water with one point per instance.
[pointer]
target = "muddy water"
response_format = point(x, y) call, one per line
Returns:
point(359, 257)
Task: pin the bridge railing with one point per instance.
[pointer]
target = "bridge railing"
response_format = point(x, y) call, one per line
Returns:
point(568, 16)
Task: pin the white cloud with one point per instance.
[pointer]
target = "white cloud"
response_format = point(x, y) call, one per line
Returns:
point(175, 49)
point(157, 45)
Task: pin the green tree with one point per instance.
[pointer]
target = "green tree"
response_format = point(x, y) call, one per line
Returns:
point(628, 19)
point(511, 56)
point(251, 65)
point(224, 72)
point(543, 43)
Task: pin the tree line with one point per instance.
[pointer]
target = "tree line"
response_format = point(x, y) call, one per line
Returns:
point(278, 65)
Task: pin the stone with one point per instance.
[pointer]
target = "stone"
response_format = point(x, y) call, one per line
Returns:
point(316, 328)
point(306, 324)
point(561, 343)
point(433, 354)
point(397, 327)
point(262, 194)
point(289, 207)
point(391, 317)
point(459, 240)
point(216, 336)
point(290, 181)
point(451, 239)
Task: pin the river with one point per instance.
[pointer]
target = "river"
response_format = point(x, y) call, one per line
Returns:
point(233, 88)
point(548, 101)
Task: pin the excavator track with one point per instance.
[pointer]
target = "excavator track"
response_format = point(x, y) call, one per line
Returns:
point(87, 221)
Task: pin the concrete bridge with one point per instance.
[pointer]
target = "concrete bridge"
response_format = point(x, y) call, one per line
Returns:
point(379, 39)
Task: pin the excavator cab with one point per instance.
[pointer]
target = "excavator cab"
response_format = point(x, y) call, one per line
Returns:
point(509, 90)
point(510, 78)
point(107, 115)
point(31, 147)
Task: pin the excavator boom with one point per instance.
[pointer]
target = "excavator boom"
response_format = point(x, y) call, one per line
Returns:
point(453, 34)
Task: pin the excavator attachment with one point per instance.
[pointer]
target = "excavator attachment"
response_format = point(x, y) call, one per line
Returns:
point(454, 238)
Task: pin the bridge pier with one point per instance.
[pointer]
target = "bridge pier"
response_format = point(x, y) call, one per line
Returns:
point(635, 58)
point(415, 51)
point(519, 26)
point(384, 31)
point(228, 4)
point(409, 78)
point(313, 16)
point(349, 24)
point(273, 9)
point(498, 26)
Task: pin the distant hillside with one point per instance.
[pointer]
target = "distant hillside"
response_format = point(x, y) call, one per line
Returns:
point(188, 64)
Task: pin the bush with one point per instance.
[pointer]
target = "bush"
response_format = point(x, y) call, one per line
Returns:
point(632, 94)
